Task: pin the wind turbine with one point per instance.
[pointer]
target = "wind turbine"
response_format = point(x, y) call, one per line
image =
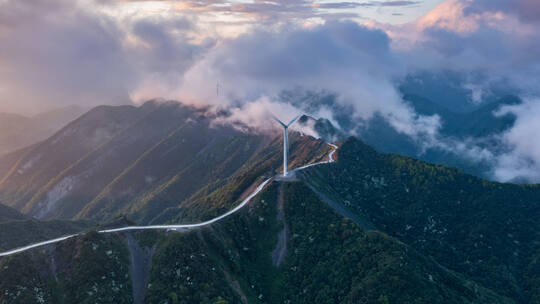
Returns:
point(286, 141)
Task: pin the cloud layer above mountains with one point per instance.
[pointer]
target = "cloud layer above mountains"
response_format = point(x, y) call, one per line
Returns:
point(55, 53)
point(65, 52)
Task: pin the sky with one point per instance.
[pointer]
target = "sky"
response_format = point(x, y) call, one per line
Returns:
point(394, 12)
point(92, 52)
point(56, 53)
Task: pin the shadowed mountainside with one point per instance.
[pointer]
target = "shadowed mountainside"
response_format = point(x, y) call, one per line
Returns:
point(436, 235)
point(488, 231)
point(141, 161)
point(330, 260)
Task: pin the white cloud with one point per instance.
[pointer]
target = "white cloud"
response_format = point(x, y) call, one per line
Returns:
point(257, 115)
point(522, 161)
point(65, 52)
point(343, 57)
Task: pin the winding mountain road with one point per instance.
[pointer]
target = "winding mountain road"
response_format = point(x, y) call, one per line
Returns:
point(173, 227)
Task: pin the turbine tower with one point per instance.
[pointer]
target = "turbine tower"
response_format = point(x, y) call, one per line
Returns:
point(286, 141)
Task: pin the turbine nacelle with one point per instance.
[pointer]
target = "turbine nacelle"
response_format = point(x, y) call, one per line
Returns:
point(285, 141)
point(286, 125)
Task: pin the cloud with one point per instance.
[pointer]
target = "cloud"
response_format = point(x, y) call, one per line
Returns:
point(526, 10)
point(342, 57)
point(257, 115)
point(161, 51)
point(521, 161)
point(51, 52)
point(482, 42)
point(492, 45)
point(63, 52)
point(455, 37)
point(266, 62)
point(83, 52)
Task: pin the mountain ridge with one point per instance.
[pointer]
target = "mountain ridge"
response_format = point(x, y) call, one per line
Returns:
point(139, 161)
point(435, 234)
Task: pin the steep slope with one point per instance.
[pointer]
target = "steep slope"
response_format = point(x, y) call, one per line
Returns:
point(436, 235)
point(19, 233)
point(7, 161)
point(38, 166)
point(330, 260)
point(90, 269)
point(17, 230)
point(141, 161)
point(487, 231)
point(69, 191)
point(216, 198)
point(9, 214)
point(190, 157)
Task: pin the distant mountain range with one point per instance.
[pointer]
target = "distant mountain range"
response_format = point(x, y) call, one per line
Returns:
point(17, 131)
point(470, 122)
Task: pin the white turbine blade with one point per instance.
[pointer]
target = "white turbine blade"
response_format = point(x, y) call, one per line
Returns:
point(293, 120)
point(276, 119)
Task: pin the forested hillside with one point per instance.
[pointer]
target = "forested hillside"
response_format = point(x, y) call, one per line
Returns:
point(9, 214)
point(141, 161)
point(488, 231)
point(328, 259)
point(461, 121)
point(17, 230)
point(369, 228)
